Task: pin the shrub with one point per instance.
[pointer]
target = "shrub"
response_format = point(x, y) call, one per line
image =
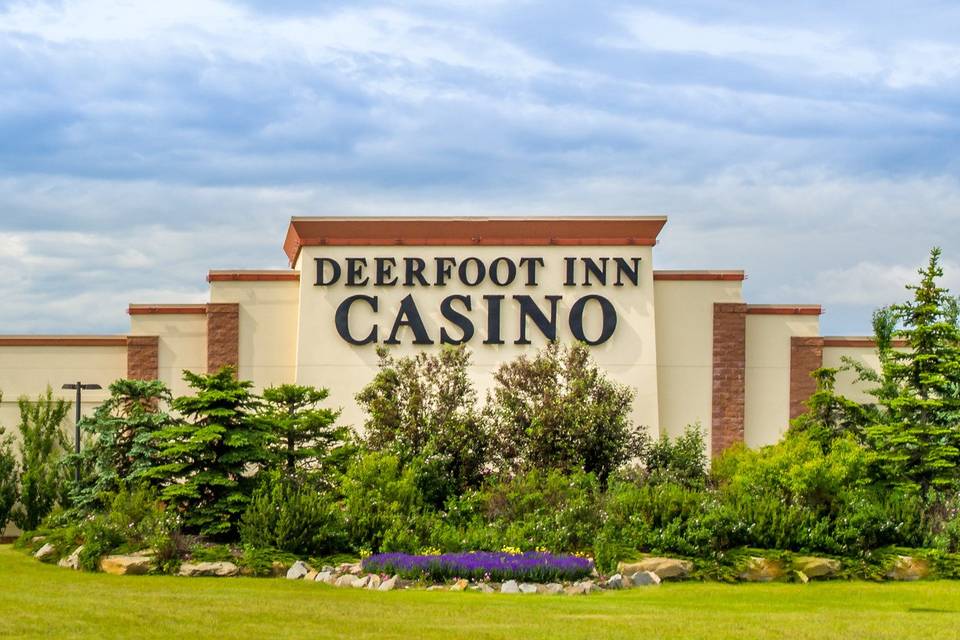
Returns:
point(42, 444)
point(682, 460)
point(424, 408)
point(9, 491)
point(559, 410)
point(284, 514)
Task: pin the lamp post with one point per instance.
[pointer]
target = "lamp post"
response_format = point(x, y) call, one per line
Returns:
point(79, 387)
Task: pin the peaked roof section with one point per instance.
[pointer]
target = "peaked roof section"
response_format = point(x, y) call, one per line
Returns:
point(438, 231)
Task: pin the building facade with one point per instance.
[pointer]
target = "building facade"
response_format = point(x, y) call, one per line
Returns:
point(685, 341)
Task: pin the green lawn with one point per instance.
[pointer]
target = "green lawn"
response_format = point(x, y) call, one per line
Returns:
point(42, 601)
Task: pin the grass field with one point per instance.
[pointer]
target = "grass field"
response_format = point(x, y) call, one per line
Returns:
point(42, 601)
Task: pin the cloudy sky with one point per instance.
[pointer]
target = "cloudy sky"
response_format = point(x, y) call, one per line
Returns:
point(144, 142)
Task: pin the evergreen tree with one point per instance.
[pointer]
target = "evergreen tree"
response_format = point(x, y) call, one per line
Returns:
point(917, 438)
point(305, 433)
point(122, 432)
point(42, 446)
point(830, 415)
point(207, 460)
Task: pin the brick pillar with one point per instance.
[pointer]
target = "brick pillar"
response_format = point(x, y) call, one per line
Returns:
point(806, 355)
point(729, 374)
point(223, 336)
point(143, 354)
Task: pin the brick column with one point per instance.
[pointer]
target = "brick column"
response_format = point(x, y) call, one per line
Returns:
point(729, 374)
point(223, 336)
point(143, 354)
point(806, 355)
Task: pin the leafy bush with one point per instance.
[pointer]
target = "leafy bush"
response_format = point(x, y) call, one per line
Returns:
point(9, 489)
point(424, 408)
point(559, 410)
point(284, 514)
point(42, 444)
point(682, 460)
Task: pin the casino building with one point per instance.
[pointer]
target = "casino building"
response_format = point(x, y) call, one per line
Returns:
point(685, 341)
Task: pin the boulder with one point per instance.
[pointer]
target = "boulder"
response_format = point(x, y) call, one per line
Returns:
point(323, 576)
point(373, 582)
point(510, 586)
point(483, 587)
point(527, 587)
point(801, 576)
point(72, 561)
point(437, 587)
point(762, 570)
point(328, 569)
point(278, 569)
point(459, 585)
point(346, 580)
point(615, 581)
point(354, 568)
point(311, 575)
point(388, 585)
point(663, 567)
point(360, 583)
point(814, 567)
point(644, 579)
point(46, 551)
point(208, 569)
point(909, 568)
point(126, 565)
point(581, 588)
point(551, 589)
point(298, 571)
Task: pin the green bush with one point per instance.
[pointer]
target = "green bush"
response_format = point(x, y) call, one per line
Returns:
point(42, 445)
point(286, 515)
point(682, 460)
point(9, 489)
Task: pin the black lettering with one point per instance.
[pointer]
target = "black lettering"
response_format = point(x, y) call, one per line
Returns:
point(568, 264)
point(409, 316)
point(493, 319)
point(457, 318)
point(415, 267)
point(599, 271)
point(624, 269)
point(321, 271)
point(342, 319)
point(444, 270)
point(464, 271)
point(495, 272)
point(609, 319)
point(531, 264)
point(385, 277)
point(529, 309)
point(355, 267)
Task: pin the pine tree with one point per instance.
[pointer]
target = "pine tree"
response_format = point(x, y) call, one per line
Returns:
point(918, 434)
point(207, 459)
point(305, 433)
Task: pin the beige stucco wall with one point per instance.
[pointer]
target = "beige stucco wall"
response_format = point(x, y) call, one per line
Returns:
point(268, 327)
point(767, 400)
point(685, 350)
point(846, 380)
point(183, 345)
point(27, 370)
point(324, 359)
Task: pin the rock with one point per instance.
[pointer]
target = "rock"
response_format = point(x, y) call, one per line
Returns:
point(814, 567)
point(437, 587)
point(346, 580)
point(663, 567)
point(311, 575)
point(551, 589)
point(762, 570)
point(360, 583)
point(298, 571)
point(388, 585)
point(615, 581)
point(526, 587)
point(125, 565)
point(278, 569)
point(37, 539)
point(459, 585)
point(45, 552)
point(644, 579)
point(208, 569)
point(801, 576)
point(323, 576)
point(72, 561)
point(510, 586)
point(373, 582)
point(581, 588)
point(327, 568)
point(909, 568)
point(144, 553)
point(355, 568)
point(483, 587)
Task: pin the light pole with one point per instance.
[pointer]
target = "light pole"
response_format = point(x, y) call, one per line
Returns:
point(79, 387)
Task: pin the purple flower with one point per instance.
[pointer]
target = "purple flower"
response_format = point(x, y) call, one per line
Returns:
point(532, 566)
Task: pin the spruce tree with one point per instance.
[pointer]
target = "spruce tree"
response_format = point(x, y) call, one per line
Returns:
point(208, 458)
point(305, 433)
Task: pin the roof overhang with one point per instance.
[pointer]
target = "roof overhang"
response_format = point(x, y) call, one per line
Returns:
point(440, 231)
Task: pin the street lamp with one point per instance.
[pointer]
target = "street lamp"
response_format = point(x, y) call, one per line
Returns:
point(79, 387)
